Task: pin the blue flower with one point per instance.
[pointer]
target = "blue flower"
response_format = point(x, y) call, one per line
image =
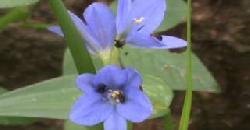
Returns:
point(138, 19)
point(98, 28)
point(134, 25)
point(113, 96)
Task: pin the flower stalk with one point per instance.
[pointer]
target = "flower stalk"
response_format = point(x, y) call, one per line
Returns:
point(184, 123)
point(111, 57)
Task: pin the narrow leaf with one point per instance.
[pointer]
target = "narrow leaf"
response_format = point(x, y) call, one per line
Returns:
point(73, 38)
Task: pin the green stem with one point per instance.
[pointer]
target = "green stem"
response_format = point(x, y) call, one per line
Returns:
point(130, 126)
point(111, 57)
point(73, 38)
point(184, 123)
point(169, 125)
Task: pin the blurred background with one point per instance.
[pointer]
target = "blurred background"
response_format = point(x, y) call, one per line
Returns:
point(221, 39)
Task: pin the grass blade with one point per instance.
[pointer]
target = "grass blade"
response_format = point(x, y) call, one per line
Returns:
point(73, 38)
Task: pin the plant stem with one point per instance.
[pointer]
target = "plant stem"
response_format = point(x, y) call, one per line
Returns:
point(169, 125)
point(111, 57)
point(184, 123)
point(130, 126)
point(73, 38)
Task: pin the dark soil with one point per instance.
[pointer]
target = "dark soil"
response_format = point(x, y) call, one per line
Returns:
point(221, 39)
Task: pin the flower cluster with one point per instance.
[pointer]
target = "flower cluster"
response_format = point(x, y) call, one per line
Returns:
point(134, 25)
point(114, 95)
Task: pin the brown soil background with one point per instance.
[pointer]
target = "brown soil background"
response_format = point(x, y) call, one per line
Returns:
point(221, 39)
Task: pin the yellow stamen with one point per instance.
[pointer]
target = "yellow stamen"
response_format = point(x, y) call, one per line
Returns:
point(118, 97)
point(115, 94)
point(139, 20)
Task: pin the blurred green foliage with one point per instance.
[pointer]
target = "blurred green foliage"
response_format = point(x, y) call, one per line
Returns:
point(14, 15)
point(15, 3)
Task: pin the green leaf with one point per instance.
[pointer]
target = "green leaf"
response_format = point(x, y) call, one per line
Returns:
point(160, 94)
point(68, 125)
point(169, 67)
point(14, 120)
point(54, 98)
point(73, 38)
point(68, 64)
point(175, 14)
point(50, 99)
point(69, 67)
point(14, 3)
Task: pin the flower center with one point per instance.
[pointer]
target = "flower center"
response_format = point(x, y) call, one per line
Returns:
point(117, 96)
point(136, 22)
point(114, 96)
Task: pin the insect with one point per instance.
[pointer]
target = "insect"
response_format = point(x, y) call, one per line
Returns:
point(141, 88)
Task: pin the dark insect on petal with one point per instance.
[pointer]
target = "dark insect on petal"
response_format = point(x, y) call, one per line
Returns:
point(158, 36)
point(140, 87)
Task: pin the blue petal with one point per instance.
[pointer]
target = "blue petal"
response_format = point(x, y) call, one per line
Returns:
point(84, 83)
point(123, 16)
point(90, 110)
point(91, 43)
point(101, 23)
point(143, 40)
point(136, 110)
point(134, 79)
point(115, 122)
point(78, 22)
point(112, 76)
point(173, 42)
point(137, 106)
point(57, 30)
point(152, 11)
